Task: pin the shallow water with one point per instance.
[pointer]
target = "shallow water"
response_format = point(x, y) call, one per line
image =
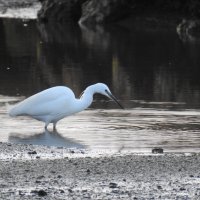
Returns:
point(130, 130)
point(153, 72)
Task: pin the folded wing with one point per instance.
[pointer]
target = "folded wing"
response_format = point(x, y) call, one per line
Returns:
point(44, 102)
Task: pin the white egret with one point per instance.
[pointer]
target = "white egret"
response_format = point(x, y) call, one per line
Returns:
point(53, 104)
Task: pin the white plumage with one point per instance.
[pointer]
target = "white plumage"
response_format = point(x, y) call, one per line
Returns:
point(55, 103)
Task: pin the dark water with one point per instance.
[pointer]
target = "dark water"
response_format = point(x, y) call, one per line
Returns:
point(153, 72)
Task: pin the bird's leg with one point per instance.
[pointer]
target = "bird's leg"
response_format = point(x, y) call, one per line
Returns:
point(54, 126)
point(46, 125)
point(45, 128)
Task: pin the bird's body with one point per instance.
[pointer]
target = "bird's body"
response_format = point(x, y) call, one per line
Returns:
point(53, 104)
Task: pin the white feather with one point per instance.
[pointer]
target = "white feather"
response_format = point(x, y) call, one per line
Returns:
point(55, 103)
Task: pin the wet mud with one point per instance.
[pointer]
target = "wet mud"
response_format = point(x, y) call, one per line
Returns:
point(38, 172)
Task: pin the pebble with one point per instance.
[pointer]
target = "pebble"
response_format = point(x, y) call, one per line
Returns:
point(112, 185)
point(42, 193)
point(32, 152)
point(157, 150)
point(159, 187)
point(70, 190)
point(40, 177)
point(182, 189)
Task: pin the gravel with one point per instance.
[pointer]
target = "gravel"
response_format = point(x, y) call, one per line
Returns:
point(39, 172)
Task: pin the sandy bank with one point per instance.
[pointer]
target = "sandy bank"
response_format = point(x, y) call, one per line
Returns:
point(25, 9)
point(33, 172)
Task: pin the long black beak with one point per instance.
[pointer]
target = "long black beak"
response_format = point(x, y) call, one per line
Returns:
point(113, 97)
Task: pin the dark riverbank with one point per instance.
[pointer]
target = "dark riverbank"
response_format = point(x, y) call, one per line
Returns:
point(32, 172)
point(111, 11)
point(183, 16)
point(177, 15)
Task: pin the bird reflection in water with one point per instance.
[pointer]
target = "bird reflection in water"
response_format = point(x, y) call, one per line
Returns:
point(47, 138)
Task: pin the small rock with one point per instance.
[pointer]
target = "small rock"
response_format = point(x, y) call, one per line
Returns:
point(40, 177)
point(159, 187)
point(157, 150)
point(70, 190)
point(37, 181)
point(182, 189)
point(116, 191)
point(59, 176)
point(32, 152)
point(21, 193)
point(112, 185)
point(42, 193)
point(88, 171)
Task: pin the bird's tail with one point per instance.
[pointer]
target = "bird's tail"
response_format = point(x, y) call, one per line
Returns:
point(13, 112)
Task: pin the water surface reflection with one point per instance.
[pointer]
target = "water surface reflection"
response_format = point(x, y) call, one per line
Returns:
point(136, 64)
point(152, 71)
point(132, 130)
point(48, 138)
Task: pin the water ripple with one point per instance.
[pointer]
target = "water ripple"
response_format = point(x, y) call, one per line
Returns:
point(138, 129)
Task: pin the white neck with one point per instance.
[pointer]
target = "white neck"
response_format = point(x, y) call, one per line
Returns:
point(85, 100)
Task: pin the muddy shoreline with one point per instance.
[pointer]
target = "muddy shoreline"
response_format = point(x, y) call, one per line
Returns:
point(35, 172)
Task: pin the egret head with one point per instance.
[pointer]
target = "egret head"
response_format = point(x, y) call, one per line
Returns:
point(103, 89)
